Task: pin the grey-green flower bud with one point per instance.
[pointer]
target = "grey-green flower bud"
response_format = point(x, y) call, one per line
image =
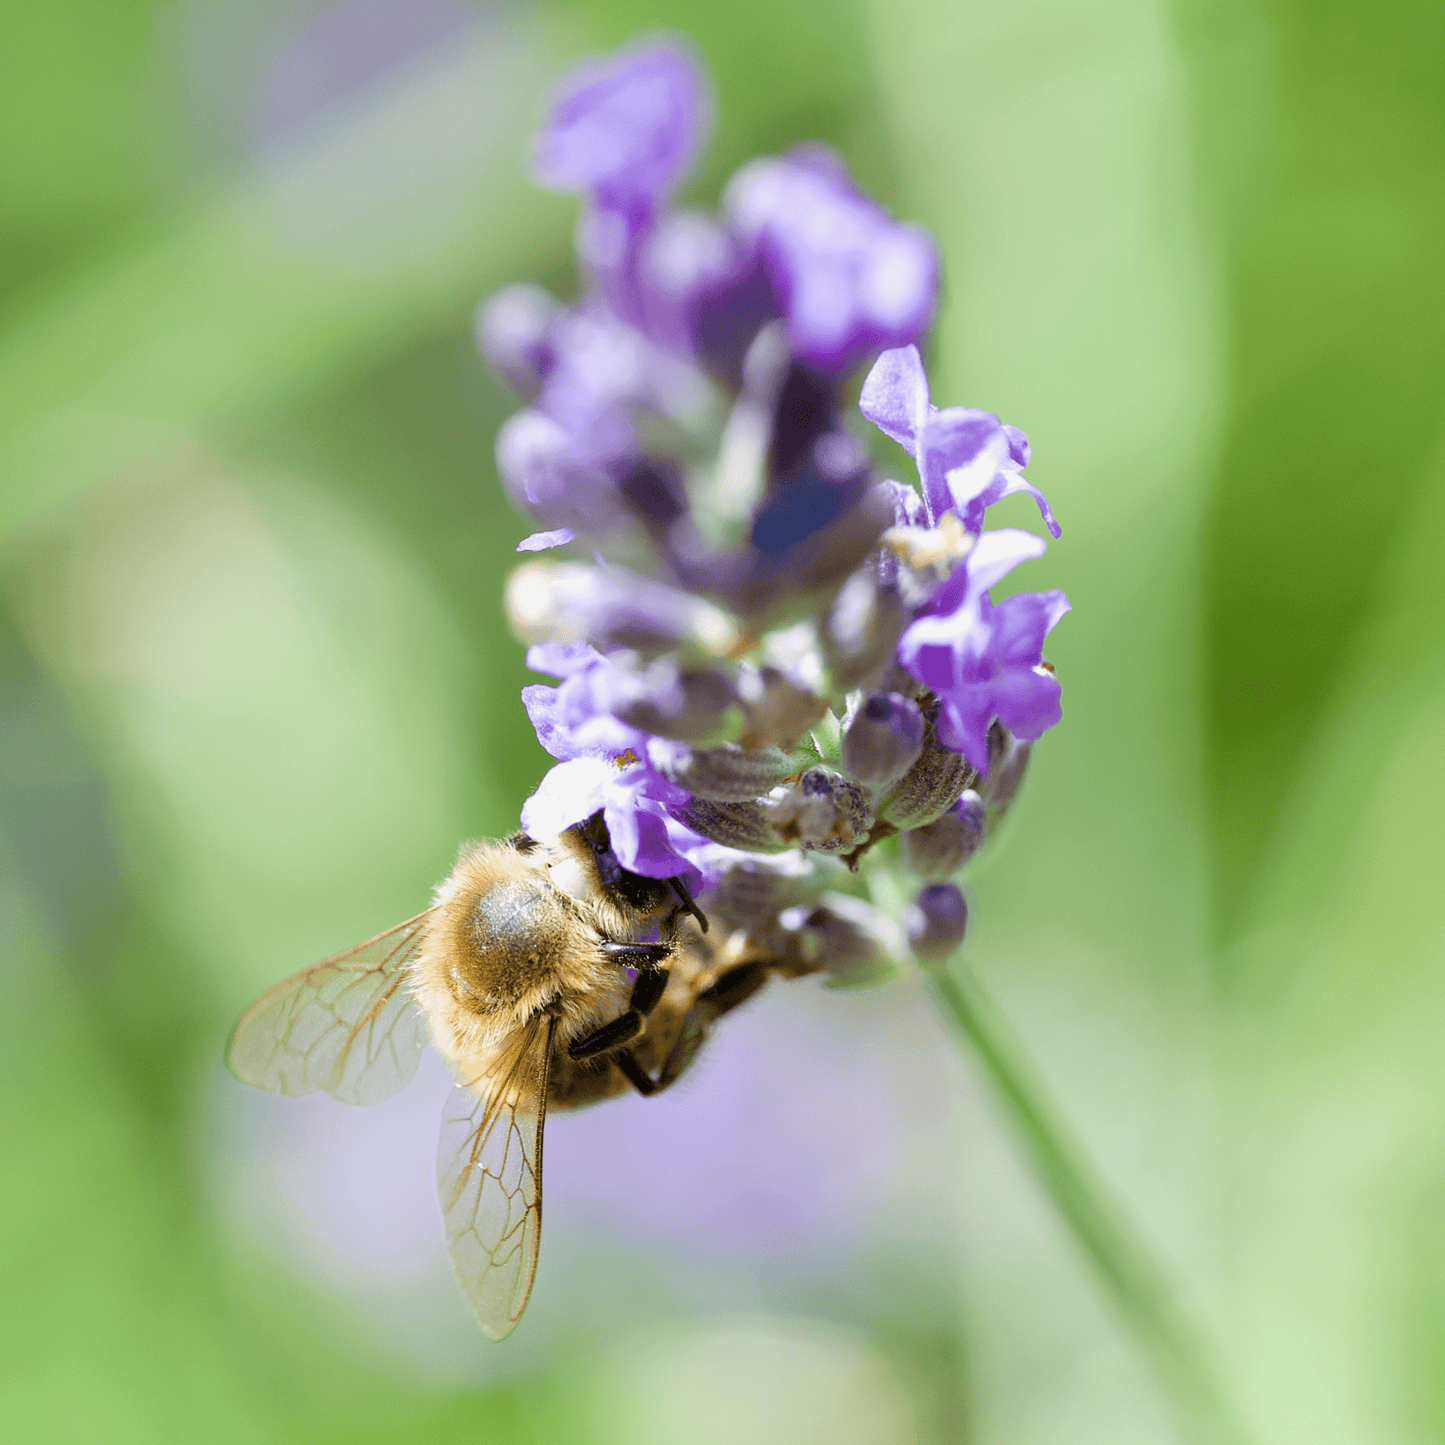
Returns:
point(738, 825)
point(882, 739)
point(861, 631)
point(731, 774)
point(936, 921)
point(1008, 760)
point(941, 848)
point(753, 891)
point(701, 697)
point(930, 787)
point(849, 939)
point(778, 710)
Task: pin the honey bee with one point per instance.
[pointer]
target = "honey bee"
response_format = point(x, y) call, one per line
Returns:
point(531, 973)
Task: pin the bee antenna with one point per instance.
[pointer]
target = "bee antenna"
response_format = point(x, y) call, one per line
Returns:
point(689, 904)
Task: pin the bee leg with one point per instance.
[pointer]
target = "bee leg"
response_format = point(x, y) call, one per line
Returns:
point(636, 1075)
point(650, 961)
point(734, 986)
point(649, 986)
point(623, 1029)
point(637, 955)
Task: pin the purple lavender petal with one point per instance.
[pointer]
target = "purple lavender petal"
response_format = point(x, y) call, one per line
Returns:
point(545, 541)
point(847, 276)
point(967, 460)
point(895, 395)
point(544, 713)
point(1018, 446)
point(544, 475)
point(625, 128)
point(1021, 622)
point(642, 833)
point(701, 291)
point(561, 659)
point(983, 661)
point(1026, 701)
point(995, 554)
point(570, 792)
point(959, 453)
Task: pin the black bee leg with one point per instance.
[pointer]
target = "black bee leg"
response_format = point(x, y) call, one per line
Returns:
point(735, 986)
point(647, 988)
point(650, 961)
point(623, 1029)
point(637, 955)
point(637, 1076)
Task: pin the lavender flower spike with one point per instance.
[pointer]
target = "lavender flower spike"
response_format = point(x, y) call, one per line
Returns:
point(967, 460)
point(984, 661)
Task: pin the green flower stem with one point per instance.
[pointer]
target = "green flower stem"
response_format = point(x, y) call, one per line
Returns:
point(1137, 1284)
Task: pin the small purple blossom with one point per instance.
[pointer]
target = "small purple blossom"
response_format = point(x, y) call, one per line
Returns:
point(624, 129)
point(848, 277)
point(984, 661)
point(967, 460)
point(605, 766)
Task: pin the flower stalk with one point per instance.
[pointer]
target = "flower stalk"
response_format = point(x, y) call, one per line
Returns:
point(1137, 1284)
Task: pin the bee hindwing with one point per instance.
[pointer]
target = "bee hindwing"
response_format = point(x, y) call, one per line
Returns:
point(489, 1179)
point(346, 1024)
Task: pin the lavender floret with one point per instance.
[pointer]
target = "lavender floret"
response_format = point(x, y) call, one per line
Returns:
point(848, 277)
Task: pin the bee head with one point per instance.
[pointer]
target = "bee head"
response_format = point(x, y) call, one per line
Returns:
point(635, 896)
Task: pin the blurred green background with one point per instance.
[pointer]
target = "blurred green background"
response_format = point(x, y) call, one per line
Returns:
point(255, 685)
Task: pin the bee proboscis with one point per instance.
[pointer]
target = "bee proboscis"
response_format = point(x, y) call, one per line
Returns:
point(532, 975)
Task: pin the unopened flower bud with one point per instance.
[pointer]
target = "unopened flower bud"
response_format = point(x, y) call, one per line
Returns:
point(849, 939)
point(942, 847)
point(823, 811)
point(778, 710)
point(861, 631)
point(752, 892)
point(737, 825)
point(731, 774)
point(609, 606)
point(689, 712)
point(513, 332)
point(1008, 761)
point(930, 787)
point(883, 739)
point(936, 920)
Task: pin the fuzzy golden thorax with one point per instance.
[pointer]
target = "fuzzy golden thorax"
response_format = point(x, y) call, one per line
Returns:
point(503, 944)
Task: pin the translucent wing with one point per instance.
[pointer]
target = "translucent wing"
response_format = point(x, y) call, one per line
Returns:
point(346, 1024)
point(489, 1178)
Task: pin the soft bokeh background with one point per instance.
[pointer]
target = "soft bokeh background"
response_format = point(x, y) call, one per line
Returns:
point(255, 685)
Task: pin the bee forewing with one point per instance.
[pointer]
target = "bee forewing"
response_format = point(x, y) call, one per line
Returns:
point(489, 1179)
point(346, 1025)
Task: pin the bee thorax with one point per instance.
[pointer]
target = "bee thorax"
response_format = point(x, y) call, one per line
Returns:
point(513, 946)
